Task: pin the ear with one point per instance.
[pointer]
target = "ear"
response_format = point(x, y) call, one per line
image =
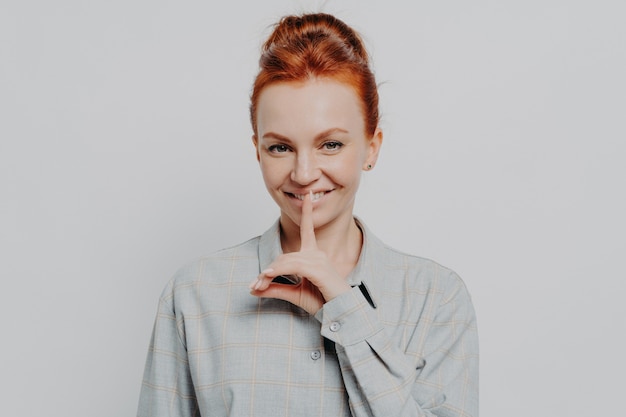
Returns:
point(255, 141)
point(373, 149)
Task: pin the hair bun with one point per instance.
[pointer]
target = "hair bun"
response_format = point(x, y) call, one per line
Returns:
point(313, 28)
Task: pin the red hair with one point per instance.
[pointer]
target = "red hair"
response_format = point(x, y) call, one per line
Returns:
point(317, 45)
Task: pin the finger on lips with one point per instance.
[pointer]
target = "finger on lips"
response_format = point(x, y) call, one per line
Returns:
point(307, 228)
point(307, 242)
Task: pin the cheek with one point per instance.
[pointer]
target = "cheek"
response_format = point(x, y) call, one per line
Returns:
point(267, 175)
point(273, 172)
point(348, 169)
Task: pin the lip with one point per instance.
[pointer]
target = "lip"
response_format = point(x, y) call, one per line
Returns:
point(298, 196)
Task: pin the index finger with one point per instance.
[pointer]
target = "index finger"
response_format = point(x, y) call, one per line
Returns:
point(307, 229)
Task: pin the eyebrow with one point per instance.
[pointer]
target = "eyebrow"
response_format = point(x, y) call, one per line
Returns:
point(273, 135)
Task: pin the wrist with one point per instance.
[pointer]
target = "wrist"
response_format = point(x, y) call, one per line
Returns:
point(341, 287)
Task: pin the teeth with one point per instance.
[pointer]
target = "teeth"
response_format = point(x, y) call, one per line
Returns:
point(316, 196)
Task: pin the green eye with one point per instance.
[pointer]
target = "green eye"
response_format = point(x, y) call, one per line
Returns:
point(332, 146)
point(278, 148)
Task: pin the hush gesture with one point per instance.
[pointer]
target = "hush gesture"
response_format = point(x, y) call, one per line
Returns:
point(319, 280)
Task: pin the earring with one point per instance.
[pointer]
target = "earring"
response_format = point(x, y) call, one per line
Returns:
point(369, 166)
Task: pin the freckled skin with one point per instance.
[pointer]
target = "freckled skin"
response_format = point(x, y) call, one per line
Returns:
point(312, 148)
point(299, 112)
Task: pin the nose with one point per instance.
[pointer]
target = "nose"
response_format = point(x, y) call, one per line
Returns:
point(306, 169)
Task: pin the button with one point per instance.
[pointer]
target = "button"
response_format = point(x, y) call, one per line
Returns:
point(334, 326)
point(316, 354)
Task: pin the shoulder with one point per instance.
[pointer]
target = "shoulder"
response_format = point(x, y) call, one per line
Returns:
point(420, 265)
point(413, 290)
point(414, 273)
point(217, 269)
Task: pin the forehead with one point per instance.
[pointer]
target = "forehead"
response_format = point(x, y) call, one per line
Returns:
point(296, 109)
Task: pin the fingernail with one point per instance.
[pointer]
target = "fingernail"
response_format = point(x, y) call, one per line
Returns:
point(267, 271)
point(258, 284)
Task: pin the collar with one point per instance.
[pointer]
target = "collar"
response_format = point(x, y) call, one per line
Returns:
point(365, 273)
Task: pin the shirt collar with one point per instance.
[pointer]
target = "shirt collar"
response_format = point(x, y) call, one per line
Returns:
point(365, 273)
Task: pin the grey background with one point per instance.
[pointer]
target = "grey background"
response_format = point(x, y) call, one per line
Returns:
point(125, 151)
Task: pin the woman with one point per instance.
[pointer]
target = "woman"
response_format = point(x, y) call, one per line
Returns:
point(316, 317)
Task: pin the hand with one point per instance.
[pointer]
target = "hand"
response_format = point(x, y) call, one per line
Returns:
point(320, 280)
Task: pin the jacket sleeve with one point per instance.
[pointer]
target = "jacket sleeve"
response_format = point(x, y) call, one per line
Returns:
point(167, 389)
point(382, 380)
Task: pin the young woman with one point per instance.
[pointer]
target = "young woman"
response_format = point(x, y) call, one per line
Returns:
point(316, 317)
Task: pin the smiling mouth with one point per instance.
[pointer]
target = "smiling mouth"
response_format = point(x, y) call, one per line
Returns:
point(316, 196)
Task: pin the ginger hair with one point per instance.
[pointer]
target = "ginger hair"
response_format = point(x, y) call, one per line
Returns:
point(317, 46)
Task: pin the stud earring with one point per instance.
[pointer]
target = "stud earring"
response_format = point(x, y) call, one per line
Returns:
point(369, 166)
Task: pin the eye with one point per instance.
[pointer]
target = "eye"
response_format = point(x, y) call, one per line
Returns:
point(332, 145)
point(278, 148)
